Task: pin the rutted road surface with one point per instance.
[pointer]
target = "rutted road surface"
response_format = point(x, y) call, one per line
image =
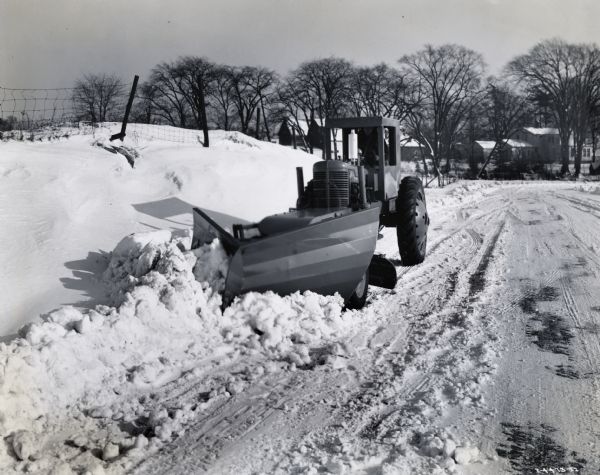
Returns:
point(483, 360)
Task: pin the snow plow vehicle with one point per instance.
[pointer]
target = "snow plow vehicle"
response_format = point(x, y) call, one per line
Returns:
point(326, 244)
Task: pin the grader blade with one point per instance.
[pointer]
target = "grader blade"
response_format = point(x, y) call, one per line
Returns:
point(322, 250)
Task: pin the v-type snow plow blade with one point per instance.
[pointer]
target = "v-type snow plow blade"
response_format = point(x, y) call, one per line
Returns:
point(323, 250)
point(207, 229)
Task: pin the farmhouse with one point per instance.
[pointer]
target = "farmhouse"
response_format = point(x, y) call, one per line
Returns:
point(545, 141)
point(300, 133)
point(411, 150)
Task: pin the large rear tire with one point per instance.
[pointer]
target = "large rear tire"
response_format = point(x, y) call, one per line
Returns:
point(358, 299)
point(413, 221)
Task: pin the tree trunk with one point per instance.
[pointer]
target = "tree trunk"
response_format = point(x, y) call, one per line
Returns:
point(265, 121)
point(488, 159)
point(578, 153)
point(425, 171)
point(203, 115)
point(564, 158)
point(578, 162)
point(257, 123)
point(226, 122)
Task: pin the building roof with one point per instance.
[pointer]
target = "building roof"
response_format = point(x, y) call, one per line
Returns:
point(541, 131)
point(489, 144)
point(407, 141)
point(301, 124)
point(518, 144)
point(486, 144)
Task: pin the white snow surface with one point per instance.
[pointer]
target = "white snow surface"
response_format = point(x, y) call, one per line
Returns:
point(163, 323)
point(65, 203)
point(142, 371)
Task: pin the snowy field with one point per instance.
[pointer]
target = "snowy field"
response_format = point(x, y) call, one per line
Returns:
point(482, 360)
point(66, 203)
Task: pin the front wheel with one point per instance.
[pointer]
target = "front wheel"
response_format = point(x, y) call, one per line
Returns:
point(358, 299)
point(413, 221)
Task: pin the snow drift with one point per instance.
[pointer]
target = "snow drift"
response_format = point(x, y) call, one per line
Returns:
point(165, 320)
point(66, 203)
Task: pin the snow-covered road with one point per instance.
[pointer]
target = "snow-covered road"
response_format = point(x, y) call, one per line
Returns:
point(483, 360)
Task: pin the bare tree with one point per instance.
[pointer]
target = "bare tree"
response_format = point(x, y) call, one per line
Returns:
point(251, 86)
point(378, 91)
point(595, 127)
point(505, 112)
point(473, 130)
point(567, 76)
point(298, 106)
point(323, 85)
point(197, 77)
point(446, 85)
point(223, 97)
point(164, 92)
point(585, 95)
point(95, 96)
point(177, 92)
point(316, 90)
point(144, 109)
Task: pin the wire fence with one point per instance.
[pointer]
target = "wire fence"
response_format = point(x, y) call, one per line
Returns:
point(147, 132)
point(30, 109)
point(39, 114)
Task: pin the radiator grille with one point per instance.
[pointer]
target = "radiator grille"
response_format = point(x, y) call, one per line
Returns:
point(339, 189)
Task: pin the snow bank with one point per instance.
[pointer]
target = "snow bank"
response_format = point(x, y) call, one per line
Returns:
point(68, 201)
point(592, 188)
point(165, 319)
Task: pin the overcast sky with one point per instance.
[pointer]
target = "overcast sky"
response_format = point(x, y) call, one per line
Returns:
point(50, 43)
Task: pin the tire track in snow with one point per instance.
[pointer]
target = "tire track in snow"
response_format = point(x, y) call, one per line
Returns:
point(374, 398)
point(477, 279)
point(582, 203)
point(243, 417)
point(421, 354)
point(526, 440)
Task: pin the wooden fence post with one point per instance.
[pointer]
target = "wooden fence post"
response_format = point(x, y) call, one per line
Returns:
point(121, 135)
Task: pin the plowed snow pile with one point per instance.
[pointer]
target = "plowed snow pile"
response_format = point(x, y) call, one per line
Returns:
point(166, 321)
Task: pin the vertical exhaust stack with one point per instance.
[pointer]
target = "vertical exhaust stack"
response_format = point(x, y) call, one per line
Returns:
point(300, 181)
point(362, 189)
point(353, 147)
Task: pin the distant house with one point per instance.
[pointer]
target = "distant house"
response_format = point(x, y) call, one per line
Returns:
point(519, 150)
point(587, 153)
point(411, 150)
point(482, 150)
point(300, 133)
point(510, 149)
point(284, 134)
point(545, 141)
